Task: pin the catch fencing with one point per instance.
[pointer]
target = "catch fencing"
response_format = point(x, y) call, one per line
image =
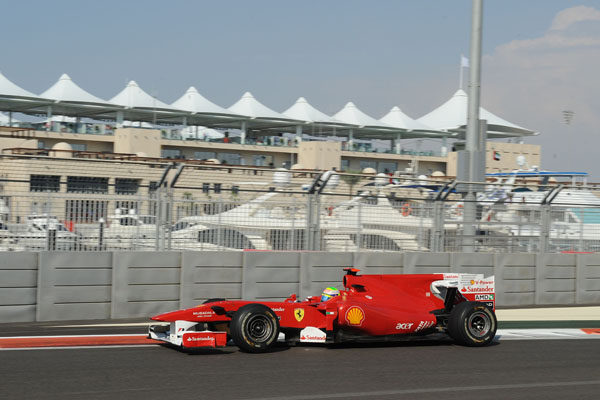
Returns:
point(43, 286)
point(120, 205)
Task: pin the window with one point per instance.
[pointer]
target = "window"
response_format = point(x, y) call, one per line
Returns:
point(79, 146)
point(170, 153)
point(229, 158)
point(126, 186)
point(152, 186)
point(125, 206)
point(384, 166)
point(85, 211)
point(87, 184)
point(368, 164)
point(345, 165)
point(44, 183)
point(204, 155)
point(259, 161)
point(41, 144)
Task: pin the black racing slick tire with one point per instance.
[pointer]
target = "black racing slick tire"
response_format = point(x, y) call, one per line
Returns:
point(254, 328)
point(472, 324)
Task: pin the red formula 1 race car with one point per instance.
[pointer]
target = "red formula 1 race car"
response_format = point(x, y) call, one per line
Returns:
point(371, 307)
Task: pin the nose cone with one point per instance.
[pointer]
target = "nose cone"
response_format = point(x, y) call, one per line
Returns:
point(172, 316)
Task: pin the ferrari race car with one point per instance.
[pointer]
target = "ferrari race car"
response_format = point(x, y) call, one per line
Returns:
point(371, 307)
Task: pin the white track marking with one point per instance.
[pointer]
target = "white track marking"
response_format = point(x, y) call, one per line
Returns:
point(72, 336)
point(108, 325)
point(538, 334)
point(456, 389)
point(116, 346)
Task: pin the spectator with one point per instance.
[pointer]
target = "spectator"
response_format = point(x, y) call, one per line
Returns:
point(226, 138)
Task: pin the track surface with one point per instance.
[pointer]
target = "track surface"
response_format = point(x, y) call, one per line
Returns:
point(545, 369)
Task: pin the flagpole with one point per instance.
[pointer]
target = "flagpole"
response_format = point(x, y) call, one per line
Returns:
point(460, 80)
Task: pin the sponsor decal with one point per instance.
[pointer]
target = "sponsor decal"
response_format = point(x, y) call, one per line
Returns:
point(299, 314)
point(484, 297)
point(355, 316)
point(208, 313)
point(484, 289)
point(424, 325)
point(311, 334)
point(278, 309)
point(369, 297)
point(404, 326)
point(199, 338)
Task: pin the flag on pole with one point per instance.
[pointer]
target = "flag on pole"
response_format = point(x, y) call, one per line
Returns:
point(464, 61)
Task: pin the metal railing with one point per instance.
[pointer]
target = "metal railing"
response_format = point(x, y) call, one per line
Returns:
point(215, 208)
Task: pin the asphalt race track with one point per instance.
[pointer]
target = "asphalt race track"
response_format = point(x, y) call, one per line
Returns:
point(531, 369)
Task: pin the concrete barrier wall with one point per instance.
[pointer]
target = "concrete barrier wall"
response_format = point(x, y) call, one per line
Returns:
point(48, 286)
point(18, 286)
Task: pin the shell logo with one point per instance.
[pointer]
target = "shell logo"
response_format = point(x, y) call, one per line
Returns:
point(472, 282)
point(355, 315)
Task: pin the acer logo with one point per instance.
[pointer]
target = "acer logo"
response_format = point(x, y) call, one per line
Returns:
point(404, 325)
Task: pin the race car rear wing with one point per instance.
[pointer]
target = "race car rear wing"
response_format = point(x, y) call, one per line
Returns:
point(473, 287)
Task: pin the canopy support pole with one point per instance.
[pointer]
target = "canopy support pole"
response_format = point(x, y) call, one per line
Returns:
point(298, 137)
point(350, 139)
point(398, 145)
point(119, 119)
point(10, 118)
point(243, 136)
point(49, 117)
point(444, 149)
point(185, 122)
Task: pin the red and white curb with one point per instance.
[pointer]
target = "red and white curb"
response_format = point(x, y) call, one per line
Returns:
point(135, 340)
point(22, 342)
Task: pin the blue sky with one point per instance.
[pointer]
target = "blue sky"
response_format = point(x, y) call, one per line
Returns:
point(375, 53)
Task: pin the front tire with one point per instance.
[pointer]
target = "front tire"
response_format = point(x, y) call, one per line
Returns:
point(472, 324)
point(254, 328)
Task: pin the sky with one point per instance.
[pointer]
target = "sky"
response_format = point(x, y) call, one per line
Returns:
point(540, 57)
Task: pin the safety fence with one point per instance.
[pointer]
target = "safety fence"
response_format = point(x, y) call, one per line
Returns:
point(123, 205)
point(41, 286)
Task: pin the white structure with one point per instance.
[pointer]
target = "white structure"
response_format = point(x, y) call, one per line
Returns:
point(249, 106)
point(68, 91)
point(452, 116)
point(194, 102)
point(133, 96)
point(7, 88)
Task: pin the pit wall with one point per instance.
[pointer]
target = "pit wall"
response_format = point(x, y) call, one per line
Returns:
point(51, 286)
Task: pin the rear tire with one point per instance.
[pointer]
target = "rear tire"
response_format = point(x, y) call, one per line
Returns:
point(472, 324)
point(254, 328)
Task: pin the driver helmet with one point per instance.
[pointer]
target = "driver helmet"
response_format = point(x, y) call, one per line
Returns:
point(329, 293)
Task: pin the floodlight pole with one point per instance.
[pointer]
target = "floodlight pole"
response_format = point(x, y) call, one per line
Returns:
point(473, 127)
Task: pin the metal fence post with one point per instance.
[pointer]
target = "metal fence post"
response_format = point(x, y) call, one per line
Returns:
point(317, 223)
point(157, 193)
point(220, 242)
point(359, 227)
point(544, 228)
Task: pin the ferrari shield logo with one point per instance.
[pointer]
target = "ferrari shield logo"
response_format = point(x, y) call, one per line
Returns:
point(299, 314)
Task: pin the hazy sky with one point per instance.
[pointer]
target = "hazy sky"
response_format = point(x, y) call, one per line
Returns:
point(540, 56)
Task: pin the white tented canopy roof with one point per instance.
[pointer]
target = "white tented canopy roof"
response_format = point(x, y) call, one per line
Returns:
point(249, 106)
point(68, 91)
point(398, 119)
point(9, 89)
point(194, 102)
point(351, 114)
point(452, 116)
point(133, 96)
point(302, 110)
